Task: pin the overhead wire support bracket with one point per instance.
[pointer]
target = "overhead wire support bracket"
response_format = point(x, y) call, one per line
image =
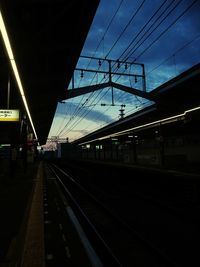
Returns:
point(91, 88)
point(74, 92)
point(106, 72)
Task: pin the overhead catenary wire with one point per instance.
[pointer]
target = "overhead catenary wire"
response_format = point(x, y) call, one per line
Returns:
point(169, 28)
point(163, 32)
point(120, 34)
point(77, 109)
point(78, 121)
point(125, 28)
point(125, 57)
point(144, 26)
point(138, 56)
point(79, 106)
point(176, 52)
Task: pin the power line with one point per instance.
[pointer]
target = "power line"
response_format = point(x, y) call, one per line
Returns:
point(120, 34)
point(136, 12)
point(176, 52)
point(126, 53)
point(162, 33)
point(145, 26)
point(102, 39)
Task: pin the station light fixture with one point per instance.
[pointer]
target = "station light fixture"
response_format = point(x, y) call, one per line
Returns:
point(14, 68)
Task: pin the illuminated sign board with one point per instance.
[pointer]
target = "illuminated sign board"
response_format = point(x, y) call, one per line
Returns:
point(9, 115)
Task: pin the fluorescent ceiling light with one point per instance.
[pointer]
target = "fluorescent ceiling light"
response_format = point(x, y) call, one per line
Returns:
point(15, 70)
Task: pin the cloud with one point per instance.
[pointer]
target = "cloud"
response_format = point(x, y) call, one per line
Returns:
point(173, 52)
point(81, 111)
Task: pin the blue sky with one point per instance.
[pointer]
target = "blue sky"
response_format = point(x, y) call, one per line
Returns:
point(162, 35)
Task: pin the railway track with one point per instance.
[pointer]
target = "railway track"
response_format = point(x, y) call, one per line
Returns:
point(103, 223)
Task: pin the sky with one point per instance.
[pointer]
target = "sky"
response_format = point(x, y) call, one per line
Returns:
point(164, 35)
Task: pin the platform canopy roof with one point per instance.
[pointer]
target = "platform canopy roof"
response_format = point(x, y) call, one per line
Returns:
point(47, 37)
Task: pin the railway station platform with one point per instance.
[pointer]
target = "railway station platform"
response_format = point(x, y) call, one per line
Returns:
point(21, 215)
point(29, 226)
